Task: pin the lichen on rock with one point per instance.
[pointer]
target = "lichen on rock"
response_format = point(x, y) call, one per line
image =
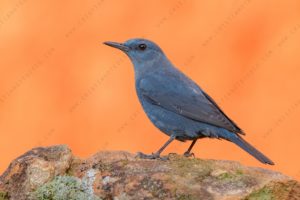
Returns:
point(63, 188)
point(3, 196)
point(276, 191)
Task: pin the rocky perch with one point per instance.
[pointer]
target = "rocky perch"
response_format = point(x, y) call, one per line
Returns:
point(54, 173)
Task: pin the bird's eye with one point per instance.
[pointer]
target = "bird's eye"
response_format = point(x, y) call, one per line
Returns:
point(142, 47)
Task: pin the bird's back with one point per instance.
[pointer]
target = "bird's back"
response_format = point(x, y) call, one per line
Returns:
point(172, 90)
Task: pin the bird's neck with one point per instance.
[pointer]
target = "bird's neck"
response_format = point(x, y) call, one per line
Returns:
point(141, 69)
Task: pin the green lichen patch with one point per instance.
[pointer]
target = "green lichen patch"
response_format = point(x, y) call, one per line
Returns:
point(239, 172)
point(231, 175)
point(3, 195)
point(63, 188)
point(196, 168)
point(263, 194)
point(276, 191)
point(232, 181)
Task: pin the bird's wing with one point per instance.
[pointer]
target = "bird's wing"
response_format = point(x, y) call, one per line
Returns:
point(184, 97)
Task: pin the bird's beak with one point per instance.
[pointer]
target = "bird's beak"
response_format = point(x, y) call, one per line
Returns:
point(117, 45)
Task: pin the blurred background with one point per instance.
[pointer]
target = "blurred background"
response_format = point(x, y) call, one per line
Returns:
point(60, 84)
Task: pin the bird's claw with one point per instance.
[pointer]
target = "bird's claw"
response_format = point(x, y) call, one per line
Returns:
point(188, 154)
point(150, 156)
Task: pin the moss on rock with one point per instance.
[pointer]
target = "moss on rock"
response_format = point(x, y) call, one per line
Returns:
point(3, 195)
point(275, 191)
point(196, 168)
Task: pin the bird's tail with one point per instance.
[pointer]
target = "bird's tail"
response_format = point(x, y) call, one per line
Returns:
point(238, 140)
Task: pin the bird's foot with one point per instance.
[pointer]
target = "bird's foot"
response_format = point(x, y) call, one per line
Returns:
point(150, 156)
point(189, 154)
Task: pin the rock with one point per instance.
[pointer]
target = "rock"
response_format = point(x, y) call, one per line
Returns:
point(54, 173)
point(33, 169)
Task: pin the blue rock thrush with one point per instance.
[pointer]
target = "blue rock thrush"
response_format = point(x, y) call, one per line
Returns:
point(175, 104)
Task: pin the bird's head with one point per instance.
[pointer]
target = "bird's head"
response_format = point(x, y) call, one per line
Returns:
point(140, 51)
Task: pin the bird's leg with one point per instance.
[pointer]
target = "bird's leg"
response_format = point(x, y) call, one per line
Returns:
point(188, 152)
point(157, 154)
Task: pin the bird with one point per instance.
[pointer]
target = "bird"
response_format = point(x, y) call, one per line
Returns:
point(175, 104)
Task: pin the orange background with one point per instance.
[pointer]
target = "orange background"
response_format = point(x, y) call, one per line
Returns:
point(59, 84)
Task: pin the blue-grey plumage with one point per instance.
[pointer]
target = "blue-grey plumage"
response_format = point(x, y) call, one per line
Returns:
point(175, 104)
